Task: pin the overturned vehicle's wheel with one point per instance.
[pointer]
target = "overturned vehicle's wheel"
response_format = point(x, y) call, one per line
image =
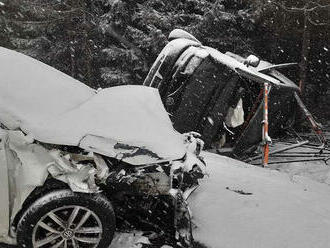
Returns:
point(67, 219)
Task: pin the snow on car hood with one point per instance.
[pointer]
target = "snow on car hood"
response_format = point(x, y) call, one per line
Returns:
point(126, 122)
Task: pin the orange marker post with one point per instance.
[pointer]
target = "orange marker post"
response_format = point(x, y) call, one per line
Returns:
point(265, 137)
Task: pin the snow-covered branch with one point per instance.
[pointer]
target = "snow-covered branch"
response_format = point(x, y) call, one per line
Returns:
point(304, 9)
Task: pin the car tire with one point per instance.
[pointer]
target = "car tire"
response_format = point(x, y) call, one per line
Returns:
point(64, 218)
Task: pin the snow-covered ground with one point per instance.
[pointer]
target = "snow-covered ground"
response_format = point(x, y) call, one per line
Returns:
point(282, 211)
point(315, 170)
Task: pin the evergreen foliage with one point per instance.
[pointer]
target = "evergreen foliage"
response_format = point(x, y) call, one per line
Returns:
point(112, 42)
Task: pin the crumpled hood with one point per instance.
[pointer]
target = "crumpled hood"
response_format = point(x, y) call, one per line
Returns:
point(126, 122)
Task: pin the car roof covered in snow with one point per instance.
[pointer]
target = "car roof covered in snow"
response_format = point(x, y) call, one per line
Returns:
point(126, 122)
point(30, 90)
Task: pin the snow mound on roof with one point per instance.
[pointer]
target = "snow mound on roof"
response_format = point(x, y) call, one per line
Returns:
point(31, 90)
point(55, 108)
point(281, 212)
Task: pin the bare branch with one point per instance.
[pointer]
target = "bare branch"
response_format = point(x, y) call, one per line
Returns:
point(317, 23)
point(289, 9)
point(320, 5)
point(303, 9)
point(36, 22)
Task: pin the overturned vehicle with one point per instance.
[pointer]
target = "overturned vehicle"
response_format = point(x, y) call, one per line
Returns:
point(72, 158)
point(225, 97)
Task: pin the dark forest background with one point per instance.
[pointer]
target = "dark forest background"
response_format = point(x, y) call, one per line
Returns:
point(105, 43)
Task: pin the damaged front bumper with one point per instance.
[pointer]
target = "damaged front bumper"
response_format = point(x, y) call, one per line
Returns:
point(29, 164)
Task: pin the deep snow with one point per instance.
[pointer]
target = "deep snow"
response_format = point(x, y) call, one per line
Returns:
point(282, 211)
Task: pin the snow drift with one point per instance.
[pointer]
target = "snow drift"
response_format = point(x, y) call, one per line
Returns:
point(282, 211)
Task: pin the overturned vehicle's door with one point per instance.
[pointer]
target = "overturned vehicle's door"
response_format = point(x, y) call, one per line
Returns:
point(215, 93)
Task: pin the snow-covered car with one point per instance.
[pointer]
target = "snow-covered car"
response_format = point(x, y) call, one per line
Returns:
point(69, 154)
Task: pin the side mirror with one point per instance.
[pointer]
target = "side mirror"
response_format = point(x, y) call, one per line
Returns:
point(252, 60)
point(179, 33)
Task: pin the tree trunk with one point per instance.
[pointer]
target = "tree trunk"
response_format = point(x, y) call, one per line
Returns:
point(305, 48)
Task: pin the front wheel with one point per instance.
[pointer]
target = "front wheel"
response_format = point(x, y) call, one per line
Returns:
point(67, 219)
